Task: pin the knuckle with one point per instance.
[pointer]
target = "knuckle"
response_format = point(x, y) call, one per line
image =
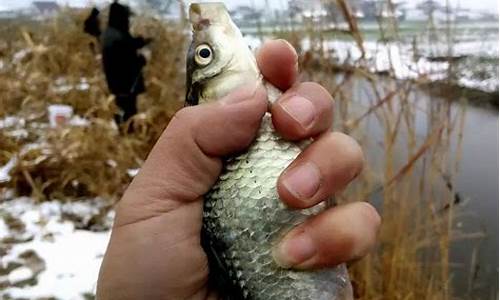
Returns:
point(329, 104)
point(322, 93)
point(350, 149)
point(366, 239)
point(243, 139)
point(185, 121)
point(184, 115)
point(312, 85)
point(371, 214)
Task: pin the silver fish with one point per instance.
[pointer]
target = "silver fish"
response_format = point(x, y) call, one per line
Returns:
point(243, 215)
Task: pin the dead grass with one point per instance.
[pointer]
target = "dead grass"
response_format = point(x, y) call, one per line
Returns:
point(405, 175)
point(49, 61)
point(7, 146)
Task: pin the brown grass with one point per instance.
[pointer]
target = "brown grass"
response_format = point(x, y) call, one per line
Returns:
point(406, 178)
point(81, 161)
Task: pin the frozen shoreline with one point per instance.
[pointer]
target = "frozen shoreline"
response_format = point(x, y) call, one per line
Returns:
point(423, 60)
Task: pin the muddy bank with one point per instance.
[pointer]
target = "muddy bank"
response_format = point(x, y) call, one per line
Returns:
point(455, 92)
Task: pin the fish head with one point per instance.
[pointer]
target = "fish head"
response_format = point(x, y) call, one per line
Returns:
point(219, 60)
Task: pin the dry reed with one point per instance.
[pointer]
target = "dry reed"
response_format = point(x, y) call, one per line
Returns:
point(409, 177)
point(54, 62)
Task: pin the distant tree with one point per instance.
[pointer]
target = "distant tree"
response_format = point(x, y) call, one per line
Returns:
point(366, 7)
point(429, 7)
point(294, 8)
point(249, 13)
point(332, 9)
point(161, 6)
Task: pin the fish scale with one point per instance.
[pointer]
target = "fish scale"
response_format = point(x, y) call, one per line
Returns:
point(243, 216)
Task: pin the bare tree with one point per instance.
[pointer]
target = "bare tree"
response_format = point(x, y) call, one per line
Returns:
point(161, 6)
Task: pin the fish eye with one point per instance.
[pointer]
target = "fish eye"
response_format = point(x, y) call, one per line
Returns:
point(203, 55)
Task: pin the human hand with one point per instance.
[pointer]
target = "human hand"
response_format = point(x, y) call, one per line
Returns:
point(155, 251)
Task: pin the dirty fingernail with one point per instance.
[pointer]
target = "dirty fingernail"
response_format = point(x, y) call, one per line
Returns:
point(300, 109)
point(294, 251)
point(303, 181)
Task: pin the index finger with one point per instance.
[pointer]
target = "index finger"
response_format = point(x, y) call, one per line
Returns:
point(278, 62)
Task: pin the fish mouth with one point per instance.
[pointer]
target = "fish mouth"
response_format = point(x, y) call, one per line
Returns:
point(202, 15)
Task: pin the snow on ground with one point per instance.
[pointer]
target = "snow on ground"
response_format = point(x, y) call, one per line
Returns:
point(14, 127)
point(405, 64)
point(46, 255)
point(5, 170)
point(11, 121)
point(61, 85)
point(386, 57)
point(401, 59)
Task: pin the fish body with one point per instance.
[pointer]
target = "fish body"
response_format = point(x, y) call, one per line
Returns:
point(243, 217)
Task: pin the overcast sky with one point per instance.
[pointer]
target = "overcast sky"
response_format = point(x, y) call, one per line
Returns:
point(490, 5)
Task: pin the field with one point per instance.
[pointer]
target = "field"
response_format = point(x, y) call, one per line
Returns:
point(59, 185)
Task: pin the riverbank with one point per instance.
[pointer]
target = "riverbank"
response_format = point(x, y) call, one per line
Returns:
point(465, 63)
point(457, 93)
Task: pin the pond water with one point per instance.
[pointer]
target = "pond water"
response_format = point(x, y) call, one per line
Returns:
point(478, 183)
point(474, 261)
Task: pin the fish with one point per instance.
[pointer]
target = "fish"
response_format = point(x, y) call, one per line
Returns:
point(243, 217)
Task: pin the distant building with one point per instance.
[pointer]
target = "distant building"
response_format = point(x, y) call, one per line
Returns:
point(45, 9)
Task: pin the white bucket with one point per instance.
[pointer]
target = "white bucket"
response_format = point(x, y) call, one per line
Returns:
point(60, 115)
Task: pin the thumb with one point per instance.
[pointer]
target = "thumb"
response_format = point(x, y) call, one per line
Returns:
point(154, 251)
point(185, 163)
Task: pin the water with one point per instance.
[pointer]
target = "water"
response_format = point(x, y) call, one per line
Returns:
point(474, 261)
point(478, 182)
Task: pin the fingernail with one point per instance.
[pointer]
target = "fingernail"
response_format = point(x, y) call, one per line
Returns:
point(294, 251)
point(243, 93)
point(303, 181)
point(300, 109)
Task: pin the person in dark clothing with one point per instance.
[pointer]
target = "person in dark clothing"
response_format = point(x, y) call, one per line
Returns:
point(91, 25)
point(122, 63)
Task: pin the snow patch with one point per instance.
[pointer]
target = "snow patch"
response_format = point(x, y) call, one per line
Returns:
point(133, 172)
point(72, 261)
point(70, 257)
point(5, 170)
point(78, 121)
point(20, 274)
point(20, 55)
point(404, 61)
point(12, 121)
